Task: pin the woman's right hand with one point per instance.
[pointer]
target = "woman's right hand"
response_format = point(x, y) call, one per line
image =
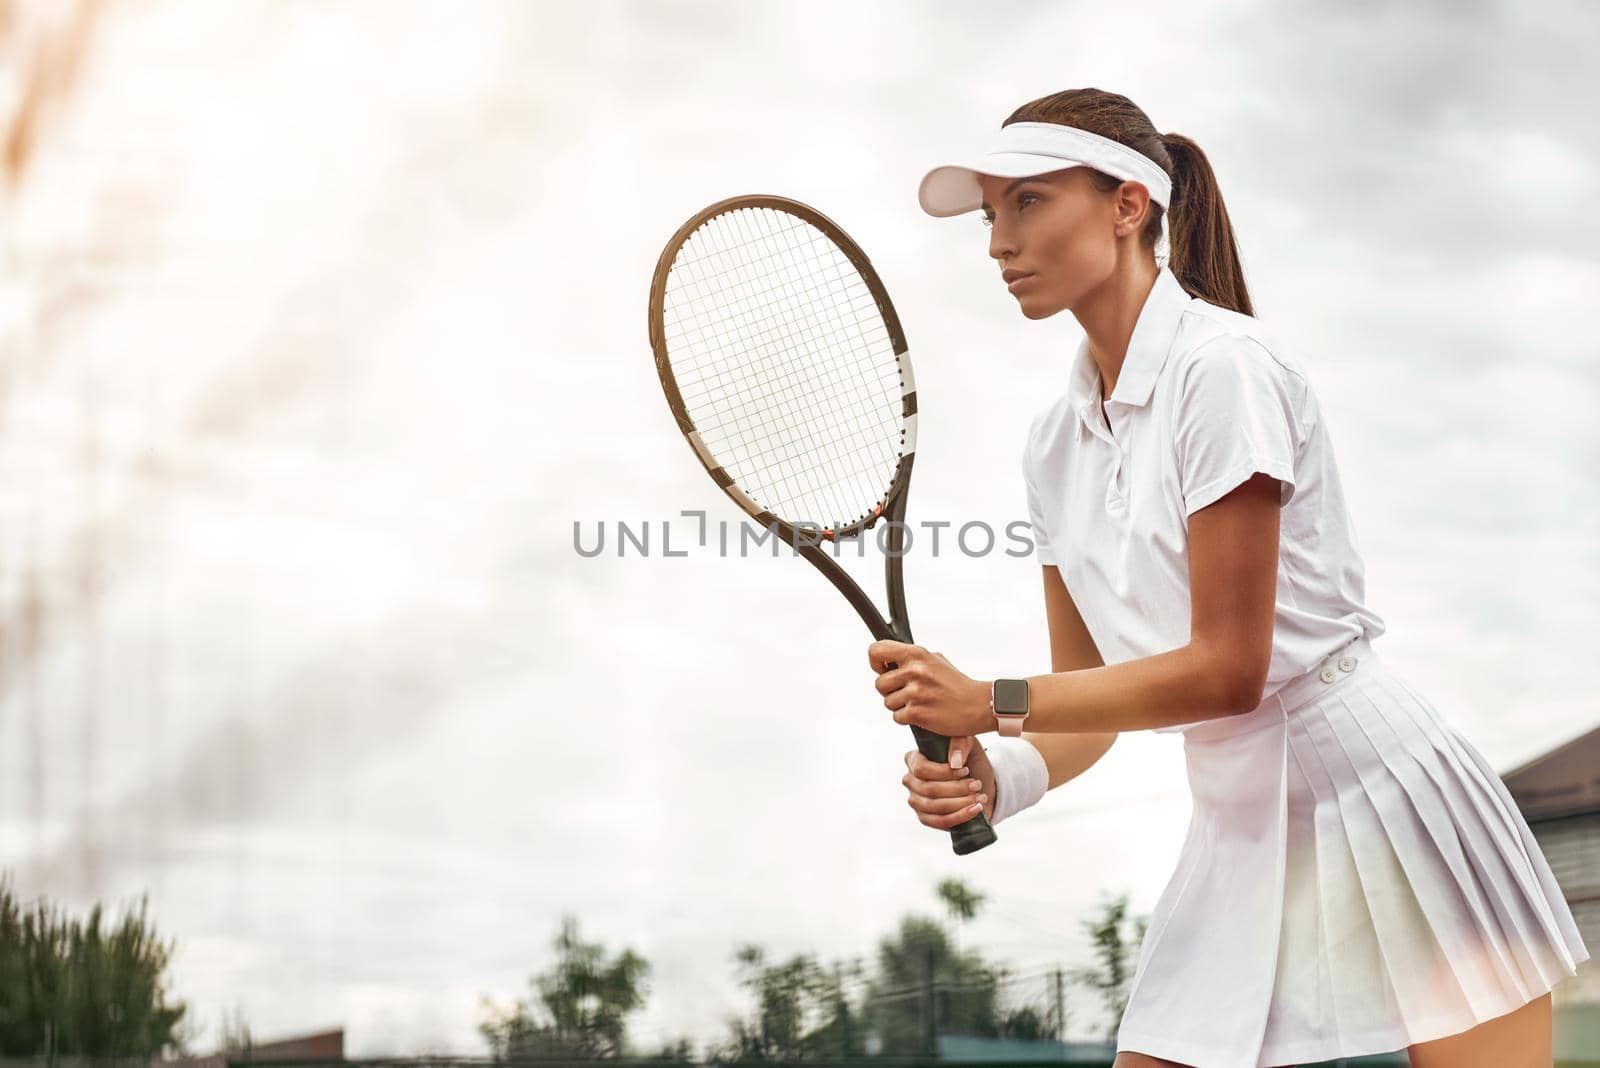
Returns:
point(944, 797)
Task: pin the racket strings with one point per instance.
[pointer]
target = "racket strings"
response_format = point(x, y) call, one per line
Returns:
point(785, 366)
point(829, 456)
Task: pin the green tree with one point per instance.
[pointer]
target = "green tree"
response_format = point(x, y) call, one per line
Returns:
point(236, 1037)
point(962, 902)
point(802, 1012)
point(83, 987)
point(677, 1051)
point(1116, 941)
point(1028, 1024)
point(923, 988)
point(581, 1005)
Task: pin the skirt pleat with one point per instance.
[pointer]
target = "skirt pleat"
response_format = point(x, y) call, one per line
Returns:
point(1355, 879)
point(1443, 947)
point(1521, 888)
point(1541, 898)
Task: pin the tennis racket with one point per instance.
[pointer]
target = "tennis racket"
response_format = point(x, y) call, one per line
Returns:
point(787, 371)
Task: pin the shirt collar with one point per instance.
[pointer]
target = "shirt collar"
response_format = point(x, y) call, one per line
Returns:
point(1153, 335)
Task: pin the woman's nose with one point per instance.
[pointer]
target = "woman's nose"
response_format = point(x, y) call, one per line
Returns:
point(1001, 247)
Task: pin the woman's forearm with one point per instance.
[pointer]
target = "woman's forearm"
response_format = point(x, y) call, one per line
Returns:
point(1070, 755)
point(1185, 685)
point(1017, 772)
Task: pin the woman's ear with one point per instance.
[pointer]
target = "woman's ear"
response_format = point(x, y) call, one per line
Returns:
point(1133, 207)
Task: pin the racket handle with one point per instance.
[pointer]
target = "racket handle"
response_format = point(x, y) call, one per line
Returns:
point(973, 835)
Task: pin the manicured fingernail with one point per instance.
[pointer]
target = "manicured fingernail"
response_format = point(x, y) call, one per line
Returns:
point(974, 784)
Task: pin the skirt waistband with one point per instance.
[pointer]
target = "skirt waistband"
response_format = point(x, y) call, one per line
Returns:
point(1335, 669)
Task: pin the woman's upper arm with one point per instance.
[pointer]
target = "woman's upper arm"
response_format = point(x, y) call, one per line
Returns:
point(1233, 582)
point(1071, 647)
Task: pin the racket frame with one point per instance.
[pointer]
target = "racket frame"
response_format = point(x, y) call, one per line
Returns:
point(977, 832)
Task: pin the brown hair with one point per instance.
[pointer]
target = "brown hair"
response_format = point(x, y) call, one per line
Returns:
point(1204, 255)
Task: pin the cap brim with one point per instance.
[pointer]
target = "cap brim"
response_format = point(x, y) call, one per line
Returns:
point(953, 189)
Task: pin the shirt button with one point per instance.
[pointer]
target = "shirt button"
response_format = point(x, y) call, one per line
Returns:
point(1347, 663)
point(1328, 675)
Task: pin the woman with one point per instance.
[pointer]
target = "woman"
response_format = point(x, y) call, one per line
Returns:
point(1356, 878)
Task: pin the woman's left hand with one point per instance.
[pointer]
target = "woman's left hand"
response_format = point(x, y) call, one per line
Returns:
point(925, 690)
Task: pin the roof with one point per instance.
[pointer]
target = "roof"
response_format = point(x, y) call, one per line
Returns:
point(1563, 782)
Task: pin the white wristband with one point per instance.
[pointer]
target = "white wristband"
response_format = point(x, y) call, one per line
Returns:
point(1021, 776)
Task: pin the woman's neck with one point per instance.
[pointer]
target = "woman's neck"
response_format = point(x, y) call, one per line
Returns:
point(1109, 316)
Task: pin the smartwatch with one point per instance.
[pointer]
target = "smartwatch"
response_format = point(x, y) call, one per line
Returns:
point(1008, 699)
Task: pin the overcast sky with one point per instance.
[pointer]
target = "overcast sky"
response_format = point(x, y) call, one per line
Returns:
point(320, 326)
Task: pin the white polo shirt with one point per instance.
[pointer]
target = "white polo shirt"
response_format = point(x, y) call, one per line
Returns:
point(1205, 399)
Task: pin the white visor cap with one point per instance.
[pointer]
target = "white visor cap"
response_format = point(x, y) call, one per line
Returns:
point(1025, 149)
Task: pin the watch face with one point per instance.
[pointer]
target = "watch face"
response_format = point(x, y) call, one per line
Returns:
point(1011, 696)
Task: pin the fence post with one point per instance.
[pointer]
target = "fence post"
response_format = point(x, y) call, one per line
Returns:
point(1061, 1016)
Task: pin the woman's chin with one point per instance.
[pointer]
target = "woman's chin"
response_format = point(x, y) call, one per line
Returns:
point(1033, 308)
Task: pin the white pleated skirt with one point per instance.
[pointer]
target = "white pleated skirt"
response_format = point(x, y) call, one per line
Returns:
point(1355, 879)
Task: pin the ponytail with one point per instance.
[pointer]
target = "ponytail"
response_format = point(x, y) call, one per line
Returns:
point(1204, 254)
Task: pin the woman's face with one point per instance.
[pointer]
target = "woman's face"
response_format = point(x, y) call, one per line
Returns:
point(1057, 230)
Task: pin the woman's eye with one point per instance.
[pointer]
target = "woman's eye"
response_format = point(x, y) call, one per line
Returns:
point(1022, 199)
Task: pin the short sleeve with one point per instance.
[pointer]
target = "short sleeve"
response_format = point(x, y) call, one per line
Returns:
point(1235, 415)
point(1042, 546)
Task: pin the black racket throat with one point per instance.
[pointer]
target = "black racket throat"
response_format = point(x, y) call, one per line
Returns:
point(897, 627)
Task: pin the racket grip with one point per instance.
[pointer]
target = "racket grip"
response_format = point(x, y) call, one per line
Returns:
point(973, 835)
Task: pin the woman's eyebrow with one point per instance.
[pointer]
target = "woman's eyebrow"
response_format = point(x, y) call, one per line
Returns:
point(1007, 192)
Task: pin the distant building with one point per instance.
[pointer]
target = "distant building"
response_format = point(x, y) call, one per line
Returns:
point(322, 1046)
point(319, 1046)
point(1559, 795)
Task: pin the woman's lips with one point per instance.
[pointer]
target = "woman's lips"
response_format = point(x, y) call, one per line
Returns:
point(1015, 282)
